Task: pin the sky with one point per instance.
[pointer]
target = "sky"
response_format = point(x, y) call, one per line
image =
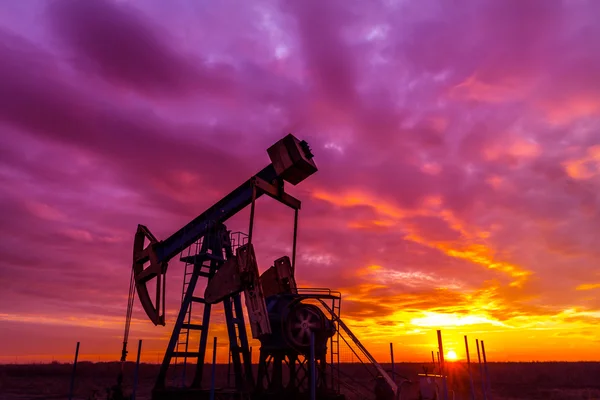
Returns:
point(457, 145)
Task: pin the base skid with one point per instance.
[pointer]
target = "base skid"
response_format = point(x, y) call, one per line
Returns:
point(232, 394)
point(196, 394)
point(297, 396)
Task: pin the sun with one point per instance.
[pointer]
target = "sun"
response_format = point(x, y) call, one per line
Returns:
point(451, 356)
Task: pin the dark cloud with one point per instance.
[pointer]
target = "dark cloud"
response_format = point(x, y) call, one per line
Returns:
point(118, 43)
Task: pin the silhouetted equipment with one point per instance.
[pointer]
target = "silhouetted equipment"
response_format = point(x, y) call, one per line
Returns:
point(281, 316)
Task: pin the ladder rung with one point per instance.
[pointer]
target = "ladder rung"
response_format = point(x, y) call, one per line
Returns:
point(215, 257)
point(186, 354)
point(198, 299)
point(204, 274)
point(192, 326)
point(201, 257)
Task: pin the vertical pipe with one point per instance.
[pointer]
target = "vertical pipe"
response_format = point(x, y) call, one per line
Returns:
point(229, 369)
point(331, 364)
point(164, 290)
point(295, 239)
point(469, 368)
point(439, 363)
point(443, 366)
point(487, 375)
point(433, 361)
point(137, 370)
point(214, 370)
point(313, 372)
point(252, 206)
point(73, 373)
point(481, 371)
point(392, 357)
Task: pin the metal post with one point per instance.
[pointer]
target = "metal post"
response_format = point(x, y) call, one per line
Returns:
point(214, 370)
point(481, 371)
point(137, 370)
point(442, 365)
point(73, 373)
point(392, 357)
point(295, 238)
point(313, 372)
point(487, 375)
point(433, 360)
point(469, 368)
point(439, 363)
point(229, 369)
point(252, 207)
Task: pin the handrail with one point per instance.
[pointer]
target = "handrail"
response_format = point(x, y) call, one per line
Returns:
point(363, 349)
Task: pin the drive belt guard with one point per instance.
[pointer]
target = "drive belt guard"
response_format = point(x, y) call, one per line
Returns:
point(154, 269)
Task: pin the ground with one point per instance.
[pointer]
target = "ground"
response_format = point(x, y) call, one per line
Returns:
point(508, 381)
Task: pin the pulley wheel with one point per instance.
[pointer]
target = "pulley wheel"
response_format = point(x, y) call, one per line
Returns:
point(302, 320)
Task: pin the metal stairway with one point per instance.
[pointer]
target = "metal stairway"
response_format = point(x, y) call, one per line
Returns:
point(358, 349)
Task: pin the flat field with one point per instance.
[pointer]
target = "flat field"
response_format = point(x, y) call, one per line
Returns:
point(508, 381)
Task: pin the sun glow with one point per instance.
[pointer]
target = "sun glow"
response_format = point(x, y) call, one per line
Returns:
point(451, 356)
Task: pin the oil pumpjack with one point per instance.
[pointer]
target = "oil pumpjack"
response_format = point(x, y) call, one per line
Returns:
point(294, 332)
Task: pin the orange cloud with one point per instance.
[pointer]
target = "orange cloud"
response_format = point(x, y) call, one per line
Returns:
point(588, 286)
point(433, 319)
point(471, 245)
point(585, 167)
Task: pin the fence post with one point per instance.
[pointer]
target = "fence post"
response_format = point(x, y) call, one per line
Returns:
point(73, 373)
point(137, 370)
point(487, 375)
point(214, 370)
point(442, 364)
point(392, 357)
point(312, 367)
point(481, 371)
point(469, 368)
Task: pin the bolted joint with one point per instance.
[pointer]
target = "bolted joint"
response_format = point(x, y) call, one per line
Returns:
point(306, 149)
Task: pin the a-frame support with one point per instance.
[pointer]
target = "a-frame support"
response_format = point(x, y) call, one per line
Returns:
point(215, 250)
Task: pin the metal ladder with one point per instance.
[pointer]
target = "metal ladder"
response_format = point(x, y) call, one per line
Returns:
point(203, 271)
point(184, 333)
point(335, 344)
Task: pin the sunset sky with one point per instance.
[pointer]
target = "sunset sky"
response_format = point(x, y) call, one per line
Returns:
point(458, 147)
